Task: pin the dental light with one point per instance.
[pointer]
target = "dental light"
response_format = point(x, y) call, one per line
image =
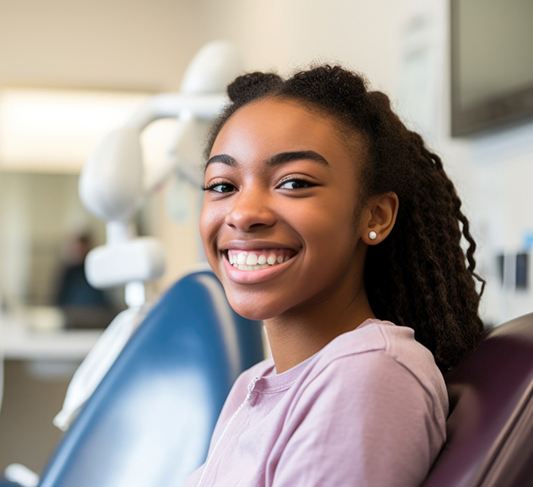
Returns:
point(115, 180)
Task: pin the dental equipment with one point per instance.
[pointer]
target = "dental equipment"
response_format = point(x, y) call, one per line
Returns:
point(115, 181)
point(113, 186)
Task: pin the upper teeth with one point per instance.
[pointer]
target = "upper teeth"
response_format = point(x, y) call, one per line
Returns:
point(258, 259)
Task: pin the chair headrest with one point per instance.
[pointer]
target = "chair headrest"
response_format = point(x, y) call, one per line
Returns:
point(490, 426)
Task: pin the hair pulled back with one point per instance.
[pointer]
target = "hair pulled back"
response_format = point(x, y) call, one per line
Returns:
point(419, 276)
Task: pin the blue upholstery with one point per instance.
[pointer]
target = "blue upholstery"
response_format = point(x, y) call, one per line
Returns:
point(7, 483)
point(150, 420)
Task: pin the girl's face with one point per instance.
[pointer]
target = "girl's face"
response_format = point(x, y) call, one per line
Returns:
point(280, 220)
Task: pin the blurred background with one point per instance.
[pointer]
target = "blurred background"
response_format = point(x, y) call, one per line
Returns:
point(71, 71)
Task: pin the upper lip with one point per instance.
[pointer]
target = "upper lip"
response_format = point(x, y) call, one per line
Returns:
point(255, 245)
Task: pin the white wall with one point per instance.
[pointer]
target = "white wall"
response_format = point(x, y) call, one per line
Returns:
point(283, 35)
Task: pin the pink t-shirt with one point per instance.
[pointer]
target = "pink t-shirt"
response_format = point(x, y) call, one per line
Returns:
point(369, 409)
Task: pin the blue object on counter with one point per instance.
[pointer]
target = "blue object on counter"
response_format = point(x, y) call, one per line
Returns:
point(528, 241)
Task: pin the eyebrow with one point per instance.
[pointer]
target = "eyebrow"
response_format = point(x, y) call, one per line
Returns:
point(275, 160)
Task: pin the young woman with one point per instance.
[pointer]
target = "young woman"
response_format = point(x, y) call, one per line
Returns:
point(328, 219)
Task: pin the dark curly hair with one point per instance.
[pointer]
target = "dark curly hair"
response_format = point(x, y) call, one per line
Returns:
point(419, 276)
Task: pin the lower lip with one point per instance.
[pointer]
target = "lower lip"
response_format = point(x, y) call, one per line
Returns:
point(255, 277)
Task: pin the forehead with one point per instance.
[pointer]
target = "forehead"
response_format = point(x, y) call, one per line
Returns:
point(272, 125)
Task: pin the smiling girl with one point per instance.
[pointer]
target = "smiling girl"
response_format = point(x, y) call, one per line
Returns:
point(328, 219)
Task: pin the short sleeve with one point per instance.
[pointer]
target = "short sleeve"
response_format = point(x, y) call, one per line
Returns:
point(364, 420)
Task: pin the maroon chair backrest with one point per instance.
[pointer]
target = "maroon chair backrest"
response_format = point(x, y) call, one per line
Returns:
point(490, 426)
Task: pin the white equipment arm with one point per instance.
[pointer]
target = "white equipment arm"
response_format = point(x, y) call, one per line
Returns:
point(115, 181)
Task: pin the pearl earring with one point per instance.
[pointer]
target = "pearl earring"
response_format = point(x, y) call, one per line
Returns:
point(372, 235)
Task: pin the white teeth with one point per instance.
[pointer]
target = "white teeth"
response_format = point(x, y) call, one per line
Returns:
point(247, 261)
point(250, 267)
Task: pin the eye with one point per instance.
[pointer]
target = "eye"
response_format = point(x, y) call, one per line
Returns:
point(295, 183)
point(220, 187)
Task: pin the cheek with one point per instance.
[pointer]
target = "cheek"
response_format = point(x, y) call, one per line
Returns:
point(204, 226)
point(329, 225)
point(209, 225)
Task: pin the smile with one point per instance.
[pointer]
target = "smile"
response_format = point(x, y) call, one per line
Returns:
point(258, 259)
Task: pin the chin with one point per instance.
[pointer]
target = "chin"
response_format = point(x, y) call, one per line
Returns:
point(251, 312)
point(252, 308)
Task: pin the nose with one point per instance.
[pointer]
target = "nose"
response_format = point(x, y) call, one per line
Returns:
point(250, 210)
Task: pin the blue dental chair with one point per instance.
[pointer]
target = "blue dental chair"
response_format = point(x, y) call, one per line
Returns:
point(150, 420)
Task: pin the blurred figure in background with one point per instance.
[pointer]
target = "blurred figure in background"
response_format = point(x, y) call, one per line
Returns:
point(84, 306)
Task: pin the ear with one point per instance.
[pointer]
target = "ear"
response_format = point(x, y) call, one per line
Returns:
point(379, 216)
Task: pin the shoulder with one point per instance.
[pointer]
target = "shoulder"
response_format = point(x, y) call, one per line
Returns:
point(372, 397)
point(378, 358)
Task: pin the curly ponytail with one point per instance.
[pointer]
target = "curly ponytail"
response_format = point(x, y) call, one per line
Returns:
point(419, 276)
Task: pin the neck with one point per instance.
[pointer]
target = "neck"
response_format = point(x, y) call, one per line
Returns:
point(299, 333)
